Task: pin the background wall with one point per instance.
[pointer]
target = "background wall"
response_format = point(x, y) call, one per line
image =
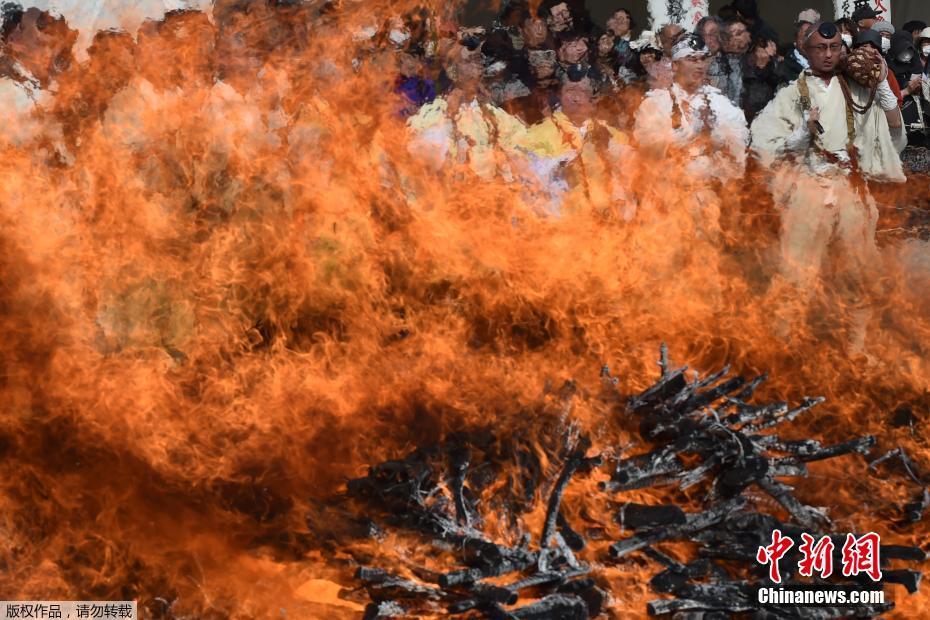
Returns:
point(780, 14)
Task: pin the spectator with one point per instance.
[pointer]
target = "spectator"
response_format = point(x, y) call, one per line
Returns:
point(914, 28)
point(872, 39)
point(885, 29)
point(848, 31)
point(904, 63)
point(923, 47)
point(621, 24)
point(535, 34)
point(734, 41)
point(760, 79)
point(505, 71)
point(747, 11)
point(573, 49)
point(709, 30)
point(564, 16)
point(865, 17)
point(795, 61)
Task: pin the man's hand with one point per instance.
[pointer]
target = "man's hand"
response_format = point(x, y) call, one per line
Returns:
point(813, 120)
point(913, 86)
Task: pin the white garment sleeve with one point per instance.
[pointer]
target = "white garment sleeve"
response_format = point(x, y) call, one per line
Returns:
point(885, 96)
point(781, 127)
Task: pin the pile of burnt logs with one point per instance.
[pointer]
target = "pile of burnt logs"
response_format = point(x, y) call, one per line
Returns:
point(704, 436)
point(410, 493)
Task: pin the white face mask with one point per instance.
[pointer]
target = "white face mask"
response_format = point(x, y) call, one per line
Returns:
point(886, 45)
point(925, 50)
point(847, 39)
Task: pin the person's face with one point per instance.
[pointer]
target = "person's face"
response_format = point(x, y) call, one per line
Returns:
point(39, 41)
point(648, 59)
point(865, 24)
point(408, 65)
point(560, 18)
point(690, 72)
point(762, 54)
point(668, 36)
point(542, 63)
point(923, 47)
point(577, 99)
point(619, 23)
point(738, 41)
point(824, 54)
point(799, 38)
point(711, 36)
point(534, 32)
point(604, 45)
point(573, 51)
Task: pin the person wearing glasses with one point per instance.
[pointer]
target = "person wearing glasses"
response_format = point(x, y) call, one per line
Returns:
point(823, 137)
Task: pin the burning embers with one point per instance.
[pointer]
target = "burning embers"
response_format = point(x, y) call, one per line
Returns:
point(457, 529)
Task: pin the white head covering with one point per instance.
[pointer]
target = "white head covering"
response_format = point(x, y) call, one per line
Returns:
point(690, 46)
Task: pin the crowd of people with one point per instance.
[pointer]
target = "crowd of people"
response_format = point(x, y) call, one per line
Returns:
point(525, 56)
point(544, 97)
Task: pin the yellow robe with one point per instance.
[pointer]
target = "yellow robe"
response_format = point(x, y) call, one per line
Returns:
point(569, 161)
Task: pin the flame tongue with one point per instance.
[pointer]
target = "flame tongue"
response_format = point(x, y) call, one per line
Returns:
point(222, 299)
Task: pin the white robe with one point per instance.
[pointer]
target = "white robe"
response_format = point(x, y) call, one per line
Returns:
point(818, 201)
point(681, 204)
point(781, 130)
point(654, 131)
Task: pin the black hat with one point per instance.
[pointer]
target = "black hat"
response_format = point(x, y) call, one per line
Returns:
point(868, 36)
point(864, 12)
point(746, 8)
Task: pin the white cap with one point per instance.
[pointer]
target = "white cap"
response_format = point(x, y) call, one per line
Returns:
point(809, 15)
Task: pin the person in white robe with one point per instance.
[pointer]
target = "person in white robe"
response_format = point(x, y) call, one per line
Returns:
point(821, 151)
point(695, 123)
point(691, 142)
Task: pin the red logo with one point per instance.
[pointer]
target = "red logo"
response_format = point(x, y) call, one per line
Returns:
point(774, 552)
point(859, 555)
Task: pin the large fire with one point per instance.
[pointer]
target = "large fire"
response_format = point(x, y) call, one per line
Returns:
point(237, 295)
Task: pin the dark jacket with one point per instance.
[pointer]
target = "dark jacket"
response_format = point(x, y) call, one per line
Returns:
point(789, 69)
point(759, 86)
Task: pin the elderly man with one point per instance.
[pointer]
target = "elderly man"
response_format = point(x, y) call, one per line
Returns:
point(821, 150)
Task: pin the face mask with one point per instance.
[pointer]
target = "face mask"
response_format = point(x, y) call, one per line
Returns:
point(925, 50)
point(847, 39)
point(886, 45)
point(905, 56)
